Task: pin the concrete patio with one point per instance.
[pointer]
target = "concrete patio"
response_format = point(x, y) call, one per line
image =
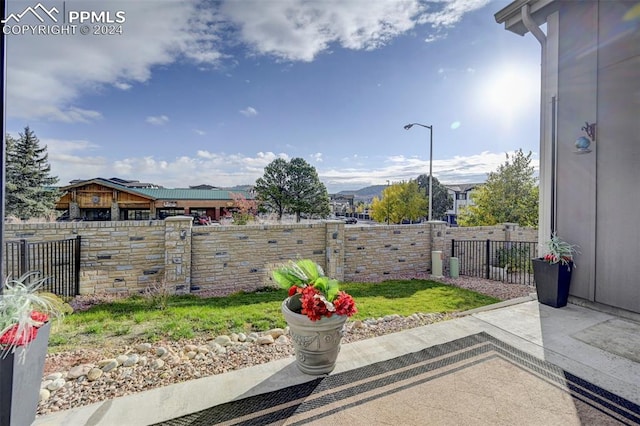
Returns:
point(602, 348)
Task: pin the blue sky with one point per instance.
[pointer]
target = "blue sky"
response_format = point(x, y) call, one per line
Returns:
point(202, 92)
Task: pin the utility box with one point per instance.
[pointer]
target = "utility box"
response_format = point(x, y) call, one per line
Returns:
point(436, 264)
point(454, 267)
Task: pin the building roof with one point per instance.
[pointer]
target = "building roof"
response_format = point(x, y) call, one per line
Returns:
point(203, 186)
point(463, 187)
point(511, 15)
point(164, 193)
point(118, 181)
point(190, 194)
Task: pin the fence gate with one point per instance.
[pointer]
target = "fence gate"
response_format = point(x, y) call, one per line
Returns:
point(508, 261)
point(57, 261)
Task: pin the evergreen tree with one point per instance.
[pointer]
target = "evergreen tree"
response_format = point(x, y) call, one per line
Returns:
point(29, 187)
point(307, 193)
point(441, 201)
point(292, 187)
point(272, 188)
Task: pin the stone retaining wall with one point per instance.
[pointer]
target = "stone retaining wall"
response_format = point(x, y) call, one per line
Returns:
point(131, 256)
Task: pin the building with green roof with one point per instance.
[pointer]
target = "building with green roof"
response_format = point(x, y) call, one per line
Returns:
point(118, 199)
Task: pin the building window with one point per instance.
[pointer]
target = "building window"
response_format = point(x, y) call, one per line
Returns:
point(461, 196)
point(163, 213)
point(137, 215)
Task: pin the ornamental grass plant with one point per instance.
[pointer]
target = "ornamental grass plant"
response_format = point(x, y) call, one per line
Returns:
point(559, 251)
point(23, 310)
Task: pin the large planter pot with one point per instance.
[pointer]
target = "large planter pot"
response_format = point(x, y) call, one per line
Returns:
point(552, 282)
point(20, 379)
point(316, 343)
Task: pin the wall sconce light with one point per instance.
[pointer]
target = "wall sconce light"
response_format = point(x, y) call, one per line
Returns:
point(583, 142)
point(183, 234)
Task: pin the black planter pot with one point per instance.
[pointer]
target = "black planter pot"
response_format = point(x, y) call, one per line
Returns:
point(552, 282)
point(20, 381)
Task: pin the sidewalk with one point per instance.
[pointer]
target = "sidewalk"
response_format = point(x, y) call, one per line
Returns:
point(599, 347)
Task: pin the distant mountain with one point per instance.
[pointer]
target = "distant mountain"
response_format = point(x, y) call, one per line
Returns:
point(366, 194)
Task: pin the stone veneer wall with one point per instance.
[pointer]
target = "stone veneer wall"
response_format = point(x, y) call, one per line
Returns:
point(114, 256)
point(241, 257)
point(372, 252)
point(130, 256)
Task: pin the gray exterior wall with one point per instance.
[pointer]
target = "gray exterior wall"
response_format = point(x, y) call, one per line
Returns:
point(598, 192)
point(590, 72)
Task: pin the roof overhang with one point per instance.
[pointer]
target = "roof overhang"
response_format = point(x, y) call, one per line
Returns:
point(107, 184)
point(511, 15)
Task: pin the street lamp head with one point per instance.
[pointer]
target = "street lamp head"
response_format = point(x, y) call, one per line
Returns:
point(407, 127)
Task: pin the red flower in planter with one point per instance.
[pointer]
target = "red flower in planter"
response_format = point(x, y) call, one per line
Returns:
point(16, 337)
point(314, 305)
point(39, 317)
point(345, 305)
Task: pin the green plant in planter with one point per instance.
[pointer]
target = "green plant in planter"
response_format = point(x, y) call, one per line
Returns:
point(559, 251)
point(25, 315)
point(552, 272)
point(316, 311)
point(312, 293)
point(23, 310)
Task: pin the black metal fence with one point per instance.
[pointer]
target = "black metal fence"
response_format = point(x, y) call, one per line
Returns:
point(57, 261)
point(508, 261)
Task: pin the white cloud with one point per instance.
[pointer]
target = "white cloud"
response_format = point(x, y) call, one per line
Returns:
point(159, 120)
point(217, 169)
point(451, 11)
point(122, 86)
point(298, 30)
point(317, 157)
point(459, 169)
point(433, 37)
point(221, 169)
point(249, 112)
point(71, 159)
point(199, 132)
point(48, 81)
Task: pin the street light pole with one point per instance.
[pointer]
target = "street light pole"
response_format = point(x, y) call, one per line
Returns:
point(407, 127)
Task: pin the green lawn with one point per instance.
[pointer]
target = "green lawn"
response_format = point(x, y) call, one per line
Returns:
point(184, 317)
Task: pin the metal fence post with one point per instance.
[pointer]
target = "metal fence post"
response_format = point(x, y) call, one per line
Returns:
point(77, 265)
point(487, 258)
point(24, 257)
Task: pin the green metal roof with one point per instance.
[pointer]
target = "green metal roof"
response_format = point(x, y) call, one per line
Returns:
point(168, 193)
point(189, 194)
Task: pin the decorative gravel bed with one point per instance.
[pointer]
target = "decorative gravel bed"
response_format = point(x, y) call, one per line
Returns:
point(85, 376)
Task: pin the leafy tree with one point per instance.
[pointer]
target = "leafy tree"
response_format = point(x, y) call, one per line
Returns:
point(292, 187)
point(29, 192)
point(509, 195)
point(400, 201)
point(246, 209)
point(272, 188)
point(383, 210)
point(441, 201)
